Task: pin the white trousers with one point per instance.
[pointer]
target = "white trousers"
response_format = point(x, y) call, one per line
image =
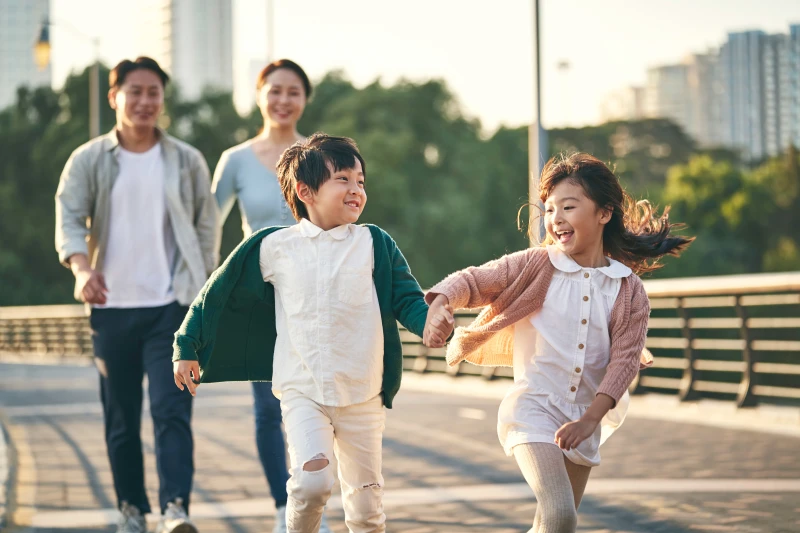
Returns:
point(354, 434)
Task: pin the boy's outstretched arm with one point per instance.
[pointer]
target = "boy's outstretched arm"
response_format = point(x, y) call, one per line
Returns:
point(408, 300)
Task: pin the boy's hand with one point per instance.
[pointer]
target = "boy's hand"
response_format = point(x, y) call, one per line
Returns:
point(187, 373)
point(573, 433)
point(439, 324)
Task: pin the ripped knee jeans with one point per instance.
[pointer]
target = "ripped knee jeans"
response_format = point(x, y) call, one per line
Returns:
point(353, 436)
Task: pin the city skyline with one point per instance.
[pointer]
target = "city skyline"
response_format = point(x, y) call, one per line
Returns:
point(610, 46)
point(743, 94)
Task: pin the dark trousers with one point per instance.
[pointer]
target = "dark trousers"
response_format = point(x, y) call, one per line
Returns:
point(269, 440)
point(129, 343)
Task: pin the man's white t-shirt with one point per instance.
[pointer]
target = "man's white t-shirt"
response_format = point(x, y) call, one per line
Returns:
point(141, 246)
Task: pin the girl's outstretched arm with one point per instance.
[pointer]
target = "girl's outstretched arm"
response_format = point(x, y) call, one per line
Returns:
point(479, 286)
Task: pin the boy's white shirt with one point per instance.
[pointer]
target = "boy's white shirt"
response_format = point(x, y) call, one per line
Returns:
point(329, 345)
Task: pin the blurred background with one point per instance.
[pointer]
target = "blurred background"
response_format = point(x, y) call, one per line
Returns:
point(697, 105)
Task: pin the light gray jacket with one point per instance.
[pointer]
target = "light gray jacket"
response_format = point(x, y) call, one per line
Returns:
point(83, 201)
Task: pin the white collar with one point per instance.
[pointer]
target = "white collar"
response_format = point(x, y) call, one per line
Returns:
point(565, 263)
point(311, 230)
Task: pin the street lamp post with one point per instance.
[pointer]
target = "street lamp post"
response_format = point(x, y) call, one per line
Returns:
point(41, 51)
point(537, 136)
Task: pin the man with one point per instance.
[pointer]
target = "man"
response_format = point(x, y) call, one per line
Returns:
point(151, 241)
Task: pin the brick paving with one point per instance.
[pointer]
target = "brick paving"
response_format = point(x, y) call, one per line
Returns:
point(431, 441)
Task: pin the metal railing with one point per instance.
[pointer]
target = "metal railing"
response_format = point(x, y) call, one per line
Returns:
point(734, 337)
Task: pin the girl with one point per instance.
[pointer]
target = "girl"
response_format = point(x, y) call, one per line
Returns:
point(571, 318)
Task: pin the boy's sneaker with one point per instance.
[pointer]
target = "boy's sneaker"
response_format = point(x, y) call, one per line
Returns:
point(323, 526)
point(130, 520)
point(175, 519)
point(280, 522)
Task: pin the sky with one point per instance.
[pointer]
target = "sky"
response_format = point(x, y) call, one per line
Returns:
point(483, 49)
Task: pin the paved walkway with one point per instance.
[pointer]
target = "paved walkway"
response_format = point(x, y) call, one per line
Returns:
point(661, 473)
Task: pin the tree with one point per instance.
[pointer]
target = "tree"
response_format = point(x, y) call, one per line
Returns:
point(743, 219)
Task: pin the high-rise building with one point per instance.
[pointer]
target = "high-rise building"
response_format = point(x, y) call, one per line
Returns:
point(793, 112)
point(705, 88)
point(743, 124)
point(192, 40)
point(624, 104)
point(667, 94)
point(745, 97)
point(20, 23)
point(777, 93)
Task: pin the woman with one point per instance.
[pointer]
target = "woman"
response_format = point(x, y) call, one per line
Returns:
point(246, 173)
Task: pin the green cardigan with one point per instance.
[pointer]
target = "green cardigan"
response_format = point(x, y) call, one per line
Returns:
point(230, 327)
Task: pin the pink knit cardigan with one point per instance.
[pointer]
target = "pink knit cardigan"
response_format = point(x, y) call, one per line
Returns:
point(514, 286)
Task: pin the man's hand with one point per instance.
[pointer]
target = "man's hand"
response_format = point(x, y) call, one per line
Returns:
point(439, 324)
point(187, 373)
point(90, 285)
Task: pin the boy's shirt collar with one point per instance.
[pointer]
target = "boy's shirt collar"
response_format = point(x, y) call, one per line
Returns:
point(311, 230)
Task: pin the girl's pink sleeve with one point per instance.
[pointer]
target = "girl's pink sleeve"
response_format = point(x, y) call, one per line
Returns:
point(627, 342)
point(479, 286)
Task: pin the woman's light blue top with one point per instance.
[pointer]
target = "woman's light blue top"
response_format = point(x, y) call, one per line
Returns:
point(241, 176)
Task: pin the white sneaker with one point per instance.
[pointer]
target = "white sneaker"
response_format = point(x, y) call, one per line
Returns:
point(175, 519)
point(323, 526)
point(130, 520)
point(280, 522)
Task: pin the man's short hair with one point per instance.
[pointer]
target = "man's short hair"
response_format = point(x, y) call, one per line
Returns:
point(307, 162)
point(118, 74)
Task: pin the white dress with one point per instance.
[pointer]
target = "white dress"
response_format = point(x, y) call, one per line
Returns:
point(560, 357)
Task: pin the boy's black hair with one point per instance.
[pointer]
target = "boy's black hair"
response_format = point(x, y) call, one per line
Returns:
point(307, 162)
point(118, 74)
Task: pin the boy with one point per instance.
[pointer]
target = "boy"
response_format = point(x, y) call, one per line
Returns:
point(326, 317)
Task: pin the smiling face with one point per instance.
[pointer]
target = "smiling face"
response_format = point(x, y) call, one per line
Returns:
point(139, 100)
point(282, 99)
point(575, 223)
point(339, 200)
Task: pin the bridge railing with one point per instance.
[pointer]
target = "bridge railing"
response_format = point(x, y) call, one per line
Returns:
point(734, 337)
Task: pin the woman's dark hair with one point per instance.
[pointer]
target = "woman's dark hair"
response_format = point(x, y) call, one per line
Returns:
point(634, 236)
point(118, 74)
point(288, 64)
point(307, 162)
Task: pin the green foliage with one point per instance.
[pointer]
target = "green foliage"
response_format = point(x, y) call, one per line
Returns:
point(743, 218)
point(448, 194)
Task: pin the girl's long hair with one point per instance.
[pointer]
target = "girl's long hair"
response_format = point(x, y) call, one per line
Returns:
point(635, 235)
